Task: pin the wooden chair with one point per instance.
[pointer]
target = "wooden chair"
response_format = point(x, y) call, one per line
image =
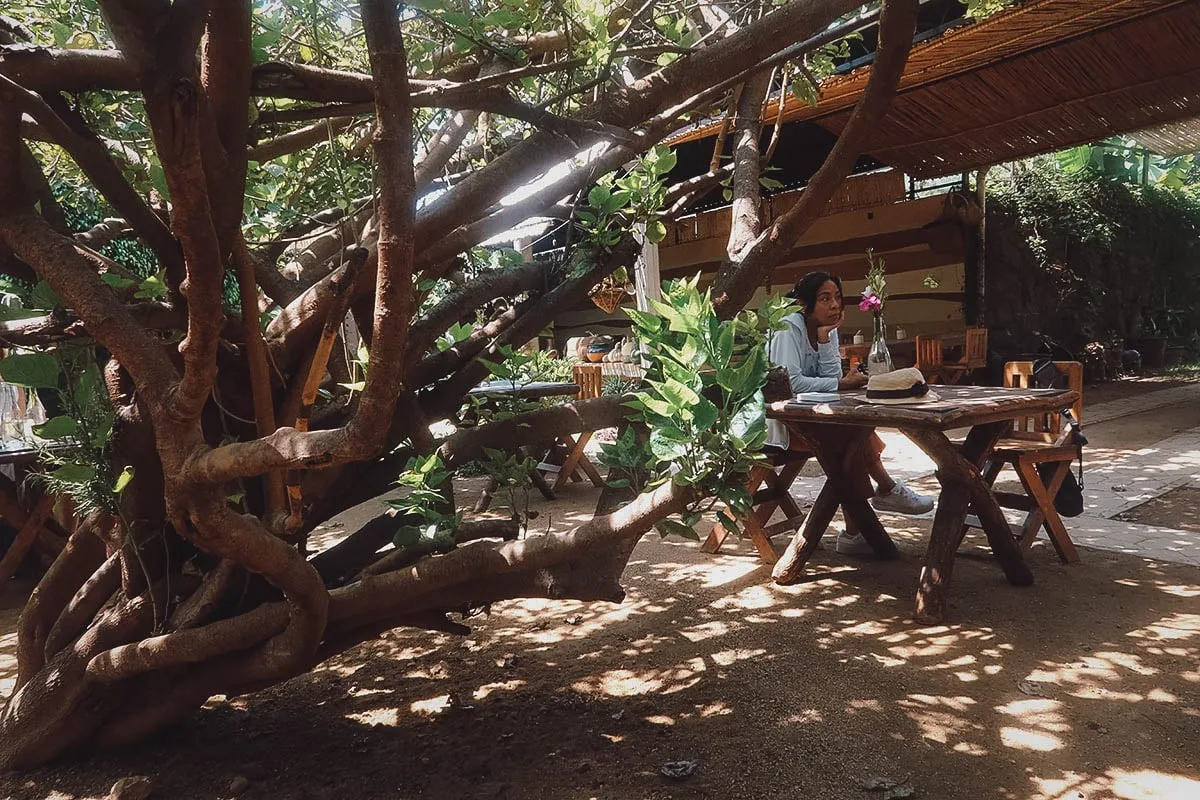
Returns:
point(854, 354)
point(974, 356)
point(1042, 439)
point(769, 488)
point(929, 357)
point(590, 378)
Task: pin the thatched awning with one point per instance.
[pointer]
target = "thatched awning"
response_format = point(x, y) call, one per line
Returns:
point(1043, 76)
point(1172, 139)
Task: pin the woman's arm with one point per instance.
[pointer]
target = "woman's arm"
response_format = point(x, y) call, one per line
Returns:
point(829, 358)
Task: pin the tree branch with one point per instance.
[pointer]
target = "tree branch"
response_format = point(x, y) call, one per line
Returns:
point(477, 573)
point(68, 130)
point(531, 427)
point(746, 209)
point(735, 283)
point(260, 373)
point(685, 77)
point(299, 140)
point(445, 143)
point(462, 302)
point(394, 163)
point(55, 259)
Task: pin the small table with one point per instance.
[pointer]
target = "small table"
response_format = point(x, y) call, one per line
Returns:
point(573, 462)
point(832, 428)
point(535, 390)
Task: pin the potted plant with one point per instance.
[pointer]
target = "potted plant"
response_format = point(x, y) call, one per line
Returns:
point(611, 290)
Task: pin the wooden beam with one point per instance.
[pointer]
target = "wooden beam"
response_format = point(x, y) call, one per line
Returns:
point(944, 243)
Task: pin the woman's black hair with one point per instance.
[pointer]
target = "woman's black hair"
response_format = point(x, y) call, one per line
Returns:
point(806, 288)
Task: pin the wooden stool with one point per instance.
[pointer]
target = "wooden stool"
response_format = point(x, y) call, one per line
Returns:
point(768, 487)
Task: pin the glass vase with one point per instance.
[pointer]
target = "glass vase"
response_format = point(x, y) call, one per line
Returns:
point(879, 359)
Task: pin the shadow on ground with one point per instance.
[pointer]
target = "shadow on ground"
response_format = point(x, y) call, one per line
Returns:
point(1085, 685)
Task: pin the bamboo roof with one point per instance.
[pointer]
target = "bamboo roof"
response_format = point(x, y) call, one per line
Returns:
point(1040, 77)
point(1172, 139)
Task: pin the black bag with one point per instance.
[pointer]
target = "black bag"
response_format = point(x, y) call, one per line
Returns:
point(1068, 500)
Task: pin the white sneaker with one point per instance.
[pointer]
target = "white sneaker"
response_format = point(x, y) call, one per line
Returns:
point(853, 544)
point(903, 500)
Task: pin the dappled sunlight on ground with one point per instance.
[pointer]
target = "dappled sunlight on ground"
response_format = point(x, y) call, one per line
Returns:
point(1084, 686)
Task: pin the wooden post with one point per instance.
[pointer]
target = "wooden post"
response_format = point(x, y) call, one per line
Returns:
point(974, 273)
point(647, 281)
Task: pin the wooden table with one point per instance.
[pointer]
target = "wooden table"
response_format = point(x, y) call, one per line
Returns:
point(536, 390)
point(572, 462)
point(832, 428)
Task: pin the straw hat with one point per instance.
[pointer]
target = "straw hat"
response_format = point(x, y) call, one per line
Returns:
point(899, 387)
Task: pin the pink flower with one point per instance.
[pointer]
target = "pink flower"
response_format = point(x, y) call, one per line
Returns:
point(870, 302)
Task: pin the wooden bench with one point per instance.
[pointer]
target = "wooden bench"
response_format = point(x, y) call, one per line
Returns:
point(769, 488)
point(1038, 440)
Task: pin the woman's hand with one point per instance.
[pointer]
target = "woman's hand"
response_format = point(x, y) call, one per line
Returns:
point(823, 330)
point(855, 380)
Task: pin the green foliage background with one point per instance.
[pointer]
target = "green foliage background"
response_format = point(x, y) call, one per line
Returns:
point(1076, 256)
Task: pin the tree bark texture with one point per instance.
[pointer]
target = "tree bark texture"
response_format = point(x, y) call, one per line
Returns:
point(198, 586)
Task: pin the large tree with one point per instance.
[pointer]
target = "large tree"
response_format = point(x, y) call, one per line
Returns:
point(195, 578)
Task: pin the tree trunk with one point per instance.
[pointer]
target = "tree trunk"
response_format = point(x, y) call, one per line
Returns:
point(190, 582)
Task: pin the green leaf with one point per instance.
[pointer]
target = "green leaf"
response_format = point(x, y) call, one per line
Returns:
point(406, 536)
point(665, 160)
point(805, 91)
point(724, 347)
point(676, 321)
point(117, 282)
point(123, 479)
point(56, 427)
point(750, 421)
point(646, 322)
point(678, 394)
point(152, 288)
point(31, 370)
point(669, 444)
point(43, 296)
point(704, 414)
point(74, 473)
point(599, 196)
point(669, 527)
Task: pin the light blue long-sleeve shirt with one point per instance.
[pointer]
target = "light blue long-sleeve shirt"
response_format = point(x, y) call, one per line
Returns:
point(810, 370)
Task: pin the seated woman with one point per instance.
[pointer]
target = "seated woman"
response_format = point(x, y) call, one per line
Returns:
point(808, 349)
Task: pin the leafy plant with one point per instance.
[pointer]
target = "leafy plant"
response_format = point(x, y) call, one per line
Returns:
point(614, 205)
point(76, 453)
point(628, 461)
point(425, 511)
point(702, 397)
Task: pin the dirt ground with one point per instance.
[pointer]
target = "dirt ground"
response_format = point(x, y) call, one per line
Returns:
point(1179, 508)
point(1085, 685)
